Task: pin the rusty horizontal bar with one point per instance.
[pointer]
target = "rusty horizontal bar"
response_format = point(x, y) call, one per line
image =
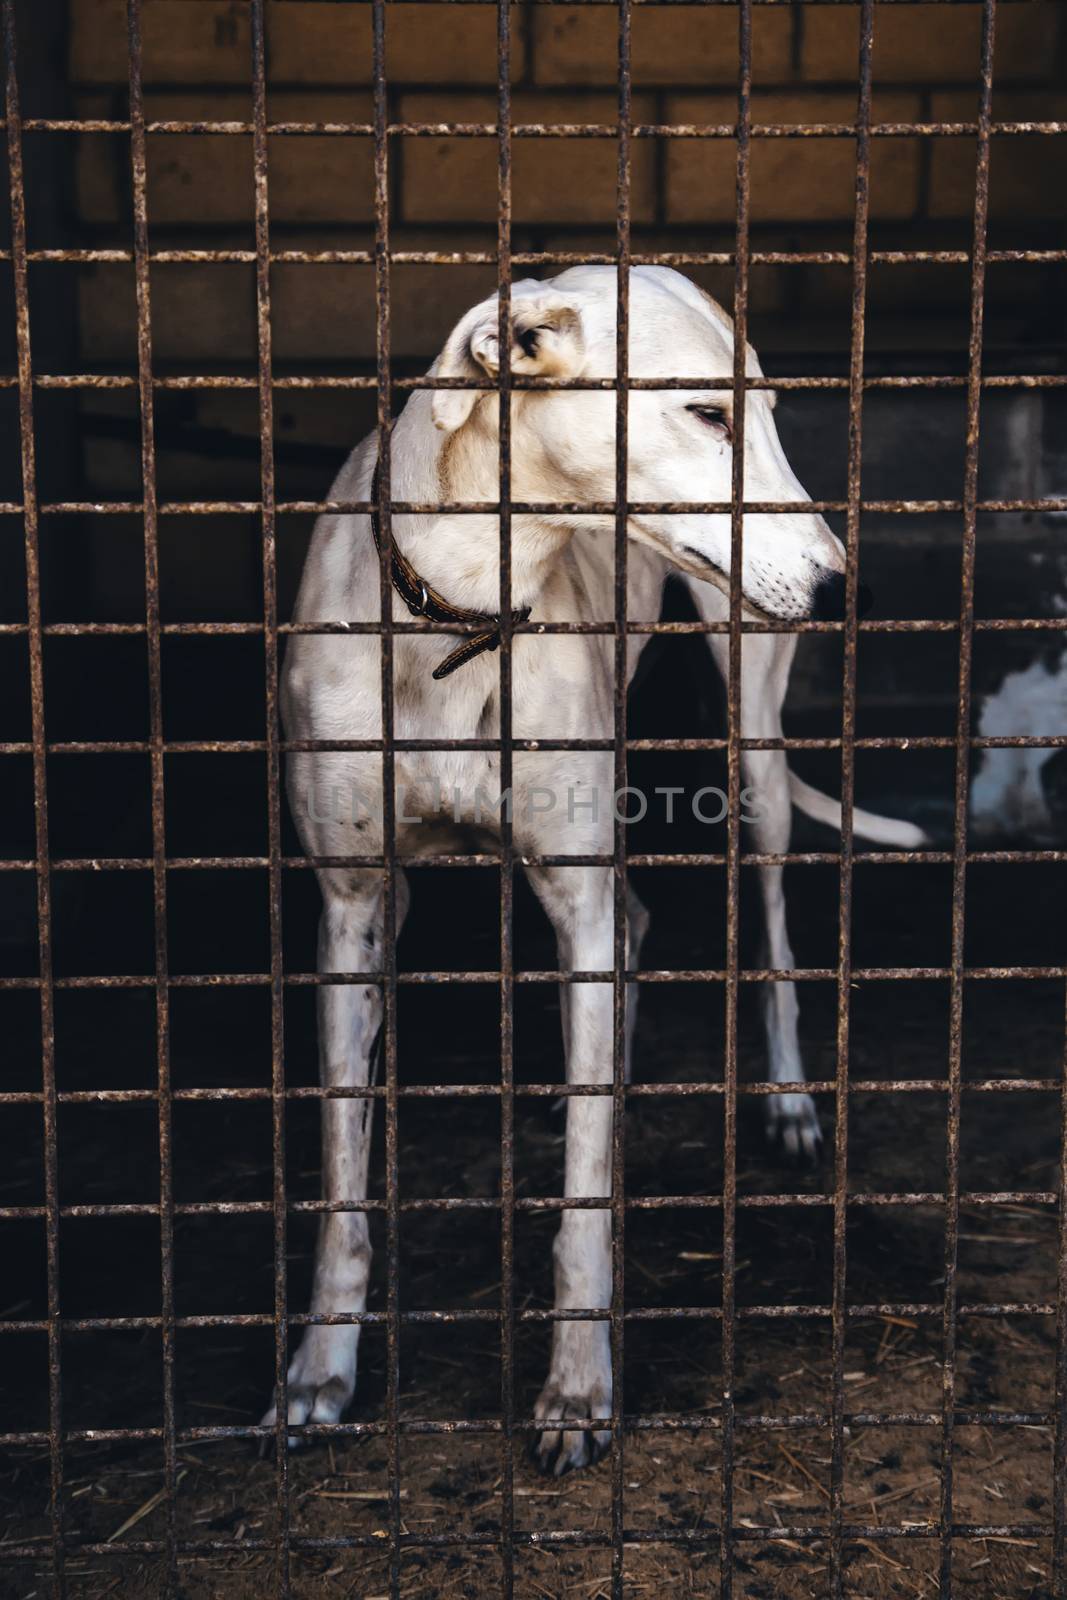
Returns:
point(700, 1202)
point(966, 1416)
point(211, 508)
point(223, 630)
point(809, 1313)
point(75, 256)
point(356, 381)
point(20, 747)
point(239, 980)
point(469, 1091)
point(540, 130)
point(1048, 741)
point(806, 858)
point(979, 1311)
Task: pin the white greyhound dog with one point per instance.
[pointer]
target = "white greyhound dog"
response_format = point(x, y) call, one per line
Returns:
point(445, 448)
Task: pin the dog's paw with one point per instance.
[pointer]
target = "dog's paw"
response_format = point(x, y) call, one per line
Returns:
point(563, 1449)
point(793, 1125)
point(321, 1383)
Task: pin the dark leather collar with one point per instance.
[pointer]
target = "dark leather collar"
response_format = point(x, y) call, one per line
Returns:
point(422, 600)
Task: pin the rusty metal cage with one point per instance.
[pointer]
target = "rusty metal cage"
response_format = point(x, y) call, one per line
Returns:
point(837, 1417)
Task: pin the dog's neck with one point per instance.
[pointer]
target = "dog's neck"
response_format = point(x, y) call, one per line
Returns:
point(459, 554)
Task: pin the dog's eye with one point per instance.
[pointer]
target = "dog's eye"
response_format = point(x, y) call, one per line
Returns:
point(530, 340)
point(714, 416)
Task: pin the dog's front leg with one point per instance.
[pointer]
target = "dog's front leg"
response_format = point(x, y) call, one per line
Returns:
point(322, 1374)
point(579, 903)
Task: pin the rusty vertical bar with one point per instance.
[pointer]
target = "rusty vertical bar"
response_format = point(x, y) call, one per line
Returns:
point(389, 1049)
point(963, 728)
point(1059, 1448)
point(274, 819)
point(146, 397)
point(42, 867)
point(618, 1056)
point(507, 857)
point(733, 786)
point(848, 776)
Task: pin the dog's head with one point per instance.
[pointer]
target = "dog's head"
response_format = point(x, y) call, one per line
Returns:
point(680, 441)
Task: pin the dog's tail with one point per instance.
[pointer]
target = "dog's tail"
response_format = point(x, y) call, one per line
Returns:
point(879, 830)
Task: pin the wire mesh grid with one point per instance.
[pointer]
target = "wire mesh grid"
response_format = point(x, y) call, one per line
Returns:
point(836, 1418)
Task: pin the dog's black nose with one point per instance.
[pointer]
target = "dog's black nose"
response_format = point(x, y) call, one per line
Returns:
point(828, 601)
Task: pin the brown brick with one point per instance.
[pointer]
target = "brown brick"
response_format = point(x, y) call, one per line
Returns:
point(792, 180)
point(209, 41)
point(323, 417)
point(1026, 179)
point(952, 160)
point(324, 43)
point(199, 314)
point(926, 43)
point(207, 178)
point(553, 180)
point(206, 313)
point(328, 179)
point(101, 165)
point(202, 41)
point(323, 313)
point(429, 301)
point(199, 178)
point(1026, 42)
point(107, 315)
point(915, 43)
point(688, 44)
point(203, 313)
point(312, 43)
point(327, 313)
point(436, 44)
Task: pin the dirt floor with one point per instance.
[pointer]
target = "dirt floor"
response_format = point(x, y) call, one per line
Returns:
point(1003, 1474)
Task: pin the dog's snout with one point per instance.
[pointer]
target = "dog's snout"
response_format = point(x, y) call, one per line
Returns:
point(828, 600)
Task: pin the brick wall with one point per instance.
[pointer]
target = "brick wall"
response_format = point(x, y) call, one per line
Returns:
point(442, 68)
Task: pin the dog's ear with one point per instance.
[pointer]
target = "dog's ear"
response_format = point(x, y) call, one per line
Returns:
point(546, 342)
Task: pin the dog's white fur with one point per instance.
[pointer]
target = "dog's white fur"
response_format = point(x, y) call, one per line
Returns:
point(445, 446)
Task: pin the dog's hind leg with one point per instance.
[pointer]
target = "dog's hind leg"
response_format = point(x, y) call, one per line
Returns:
point(322, 1374)
point(578, 901)
point(791, 1117)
